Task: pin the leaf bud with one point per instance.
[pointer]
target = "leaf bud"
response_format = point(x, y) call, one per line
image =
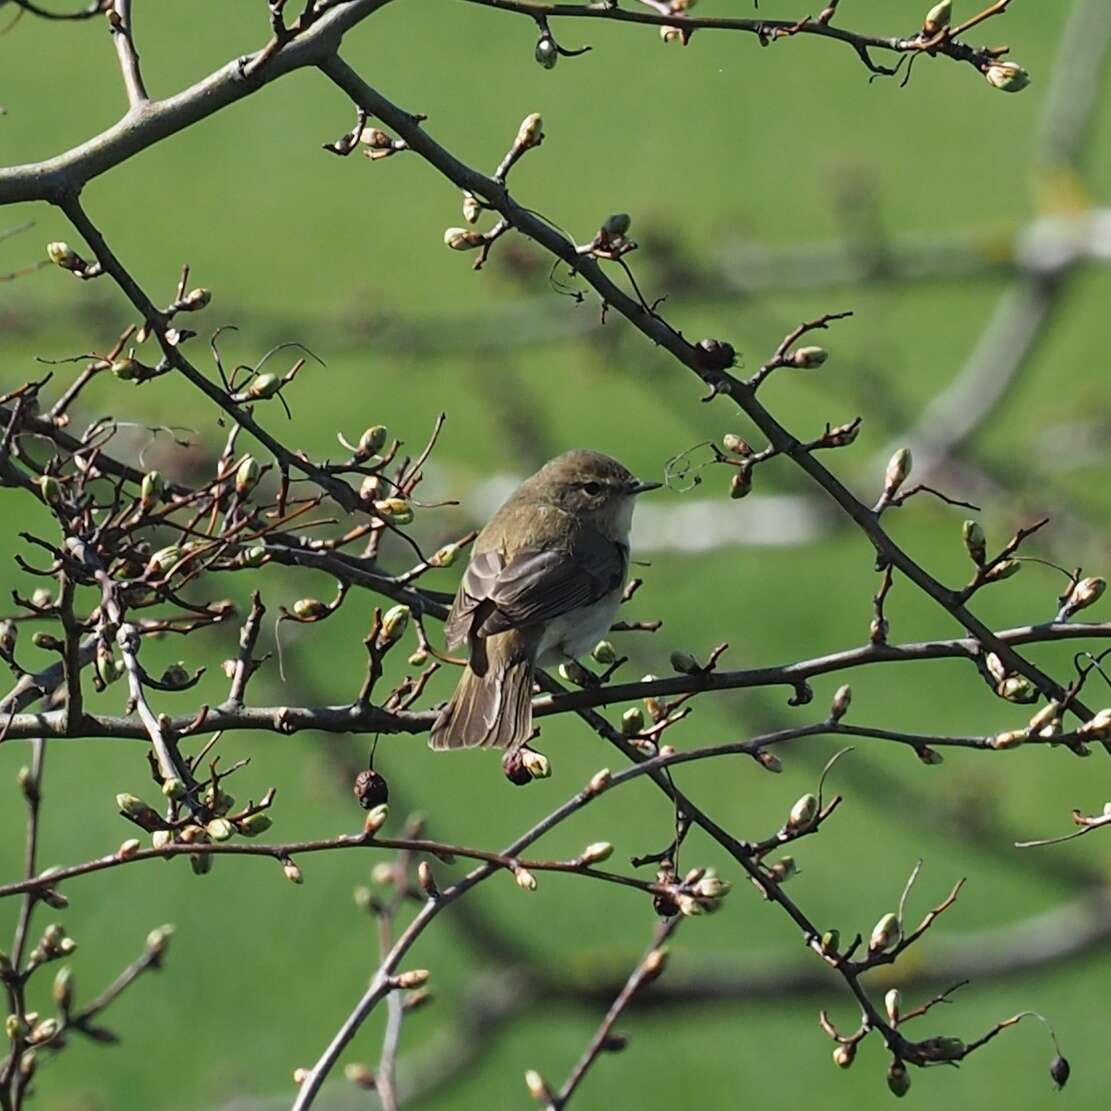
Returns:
point(201, 863)
point(1085, 593)
point(769, 760)
point(689, 906)
point(50, 488)
point(63, 255)
point(1017, 688)
point(373, 440)
point(885, 934)
point(735, 445)
point(938, 17)
point(929, 756)
point(830, 942)
point(596, 852)
point(1098, 726)
point(414, 978)
point(809, 358)
point(359, 1075)
point(376, 819)
point(654, 964)
point(617, 225)
point(247, 475)
point(844, 1055)
point(537, 1086)
point(292, 872)
point(309, 608)
point(898, 469)
point(164, 560)
point(1007, 76)
point(394, 623)
point(599, 781)
point(220, 829)
point(175, 677)
point(472, 208)
point(394, 511)
point(712, 886)
point(783, 869)
point(842, 699)
point(893, 1003)
point(525, 879)
point(1004, 569)
point(684, 663)
point(254, 556)
point(803, 813)
point(58, 901)
point(45, 1031)
point(740, 485)
point(133, 807)
point(128, 849)
point(62, 990)
point(254, 824)
point(160, 838)
point(196, 299)
point(604, 653)
point(426, 880)
point(463, 239)
point(151, 488)
point(632, 721)
point(671, 34)
point(898, 1079)
point(445, 557)
point(975, 541)
point(158, 940)
point(1012, 738)
point(536, 763)
point(127, 369)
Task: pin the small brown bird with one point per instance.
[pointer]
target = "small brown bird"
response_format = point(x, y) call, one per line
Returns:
point(543, 585)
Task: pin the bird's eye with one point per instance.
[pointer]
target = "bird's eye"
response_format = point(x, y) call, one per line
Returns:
point(592, 488)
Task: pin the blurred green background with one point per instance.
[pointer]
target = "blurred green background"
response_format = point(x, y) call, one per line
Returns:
point(716, 150)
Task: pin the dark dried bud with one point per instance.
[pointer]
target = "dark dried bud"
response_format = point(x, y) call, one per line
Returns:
point(898, 1079)
point(665, 906)
point(514, 768)
point(371, 789)
point(614, 1043)
point(714, 354)
point(1059, 1070)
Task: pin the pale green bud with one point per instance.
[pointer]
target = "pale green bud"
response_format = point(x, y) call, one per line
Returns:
point(893, 1004)
point(536, 764)
point(128, 848)
point(1017, 688)
point(292, 872)
point(525, 879)
point(247, 475)
point(472, 209)
point(784, 868)
point(158, 940)
point(463, 239)
point(617, 225)
point(173, 788)
point(126, 369)
point(160, 838)
point(373, 440)
point(842, 699)
point(1003, 570)
point(50, 488)
point(803, 813)
point(261, 387)
point(1007, 76)
point(63, 255)
point(809, 358)
point(151, 488)
point(376, 818)
point(975, 542)
point(597, 852)
point(254, 824)
point(603, 652)
point(938, 17)
point(844, 1055)
point(898, 469)
point(394, 623)
point(309, 608)
point(885, 934)
point(685, 663)
point(397, 511)
point(446, 556)
point(220, 829)
point(632, 721)
point(62, 990)
point(163, 561)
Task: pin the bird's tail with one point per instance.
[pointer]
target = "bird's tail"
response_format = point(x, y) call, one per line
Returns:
point(492, 709)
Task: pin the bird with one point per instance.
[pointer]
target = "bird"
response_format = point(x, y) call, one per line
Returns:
point(544, 581)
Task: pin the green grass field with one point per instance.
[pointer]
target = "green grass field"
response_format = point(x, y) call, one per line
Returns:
point(714, 147)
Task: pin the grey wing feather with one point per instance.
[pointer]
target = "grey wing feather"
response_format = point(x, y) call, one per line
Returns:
point(478, 582)
point(539, 585)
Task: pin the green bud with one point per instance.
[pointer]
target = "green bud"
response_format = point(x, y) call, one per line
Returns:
point(784, 868)
point(63, 255)
point(220, 829)
point(254, 556)
point(463, 239)
point(196, 299)
point(893, 1004)
point(201, 863)
point(938, 17)
point(1017, 688)
point(632, 721)
point(685, 663)
point(445, 557)
point(394, 623)
point(163, 561)
point(603, 652)
point(158, 940)
point(172, 788)
point(247, 475)
point(803, 813)
point(160, 838)
point(42, 639)
point(1007, 76)
point(898, 1079)
point(809, 358)
point(254, 824)
point(617, 225)
point(151, 488)
point(373, 440)
point(261, 387)
point(127, 369)
point(1003, 570)
point(309, 608)
point(830, 942)
point(50, 489)
point(395, 511)
point(376, 818)
point(898, 469)
point(885, 934)
point(45, 1031)
point(472, 209)
point(62, 990)
point(596, 852)
point(536, 764)
point(975, 542)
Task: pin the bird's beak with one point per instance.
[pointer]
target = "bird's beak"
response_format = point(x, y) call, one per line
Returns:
point(639, 487)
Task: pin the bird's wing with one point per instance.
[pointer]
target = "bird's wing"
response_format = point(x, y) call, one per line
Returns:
point(535, 585)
